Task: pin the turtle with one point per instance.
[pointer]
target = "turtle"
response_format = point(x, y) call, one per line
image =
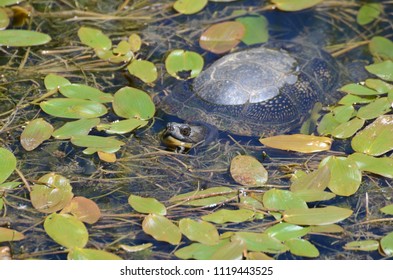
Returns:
point(264, 90)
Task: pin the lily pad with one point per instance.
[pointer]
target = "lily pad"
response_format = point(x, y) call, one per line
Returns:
point(256, 29)
point(66, 230)
point(357, 89)
point(380, 86)
point(383, 70)
point(225, 216)
point(184, 65)
point(36, 132)
point(327, 124)
point(377, 138)
point(199, 231)
point(285, 231)
point(22, 38)
point(374, 109)
point(331, 228)
point(4, 3)
point(73, 108)
point(381, 47)
point(313, 195)
point(363, 245)
point(248, 171)
point(7, 164)
point(53, 81)
point(189, 7)
point(368, 13)
point(145, 70)
point(133, 103)
point(301, 247)
point(348, 129)
point(90, 254)
point(85, 92)
point(382, 166)
point(317, 180)
point(94, 38)
point(298, 143)
point(388, 209)
point(75, 128)
point(222, 37)
point(135, 42)
point(86, 210)
point(200, 251)
point(260, 242)
point(9, 235)
point(97, 143)
point(343, 113)
point(207, 197)
point(135, 248)
point(122, 127)
point(275, 199)
point(316, 216)
point(232, 251)
point(161, 229)
point(386, 244)
point(147, 205)
point(291, 6)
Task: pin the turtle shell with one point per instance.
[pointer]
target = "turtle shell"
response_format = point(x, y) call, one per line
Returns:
point(259, 91)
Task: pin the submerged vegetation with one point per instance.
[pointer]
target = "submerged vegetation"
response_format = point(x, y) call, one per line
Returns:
point(83, 174)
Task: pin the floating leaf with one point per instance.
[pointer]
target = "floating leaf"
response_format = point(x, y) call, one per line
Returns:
point(345, 176)
point(4, 19)
point(85, 92)
point(258, 256)
point(386, 244)
point(123, 48)
point(86, 210)
point(161, 229)
point(380, 86)
point(207, 197)
point(285, 231)
point(22, 38)
point(133, 103)
point(301, 247)
point(260, 242)
point(145, 70)
point(222, 37)
point(317, 180)
point(381, 47)
point(383, 70)
point(53, 81)
point(135, 248)
point(135, 42)
point(75, 128)
point(184, 65)
point(200, 251)
point(121, 127)
point(368, 13)
point(298, 142)
point(94, 38)
point(348, 129)
point(189, 7)
point(275, 199)
point(73, 108)
point(4, 3)
point(332, 228)
point(9, 186)
point(377, 138)
point(97, 143)
point(316, 216)
point(256, 29)
point(7, 164)
point(291, 6)
point(36, 132)
point(66, 230)
point(382, 166)
point(313, 195)
point(343, 113)
point(357, 89)
point(374, 109)
point(90, 254)
point(327, 124)
point(351, 99)
point(225, 216)
point(232, 251)
point(200, 231)
point(107, 157)
point(248, 171)
point(147, 205)
point(9, 235)
point(363, 245)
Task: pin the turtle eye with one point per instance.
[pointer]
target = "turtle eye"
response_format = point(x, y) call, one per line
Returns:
point(185, 131)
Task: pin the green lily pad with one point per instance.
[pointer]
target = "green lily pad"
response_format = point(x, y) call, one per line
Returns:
point(86, 210)
point(291, 6)
point(222, 37)
point(377, 138)
point(254, 256)
point(36, 132)
point(380, 86)
point(232, 251)
point(351, 99)
point(122, 48)
point(225, 216)
point(66, 230)
point(348, 129)
point(368, 13)
point(161, 229)
point(53, 81)
point(98, 143)
point(200, 251)
point(382, 166)
point(260, 242)
point(90, 254)
point(7, 164)
point(122, 127)
point(85, 92)
point(383, 70)
point(9, 235)
point(184, 65)
point(301, 247)
point(363, 245)
point(79, 127)
point(207, 197)
point(317, 180)
point(316, 216)
point(388, 209)
point(248, 171)
point(189, 7)
point(327, 124)
point(345, 176)
point(357, 89)
point(374, 109)
point(381, 47)
point(256, 29)
point(275, 199)
point(4, 3)
point(386, 244)
point(133, 103)
point(314, 195)
point(147, 205)
point(145, 70)
point(199, 231)
point(22, 38)
point(343, 113)
point(94, 38)
point(135, 42)
point(135, 248)
point(9, 186)
point(73, 108)
point(285, 231)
